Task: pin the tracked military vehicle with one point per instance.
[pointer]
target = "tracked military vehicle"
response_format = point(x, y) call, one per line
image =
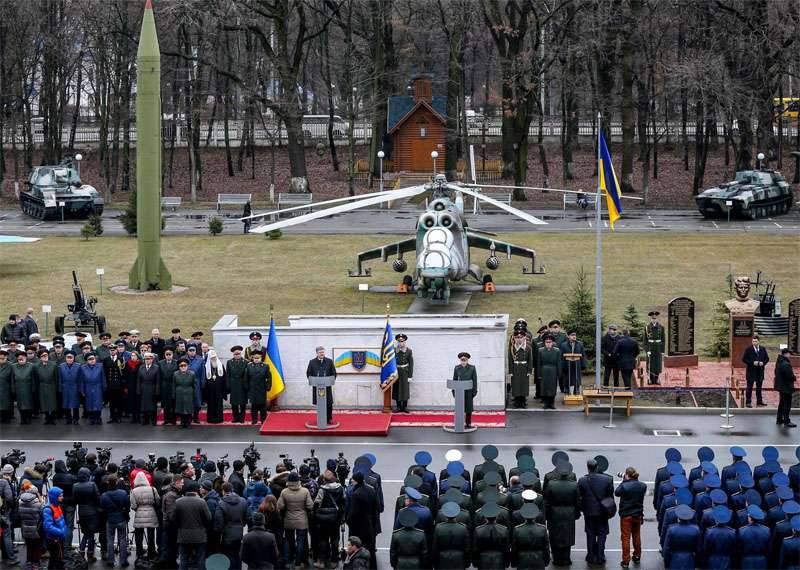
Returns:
point(754, 194)
point(56, 191)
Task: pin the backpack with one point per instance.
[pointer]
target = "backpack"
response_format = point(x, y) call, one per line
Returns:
point(75, 561)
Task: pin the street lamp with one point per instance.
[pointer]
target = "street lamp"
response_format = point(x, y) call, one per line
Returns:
point(760, 156)
point(381, 154)
point(78, 158)
point(434, 156)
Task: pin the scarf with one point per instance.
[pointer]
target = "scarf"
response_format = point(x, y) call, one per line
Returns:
point(220, 370)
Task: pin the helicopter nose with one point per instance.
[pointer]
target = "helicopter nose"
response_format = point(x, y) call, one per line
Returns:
point(436, 255)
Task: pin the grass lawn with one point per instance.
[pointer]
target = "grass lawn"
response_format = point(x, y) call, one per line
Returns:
point(307, 275)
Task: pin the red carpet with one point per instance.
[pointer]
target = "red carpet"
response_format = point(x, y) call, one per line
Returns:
point(356, 423)
point(439, 419)
point(227, 422)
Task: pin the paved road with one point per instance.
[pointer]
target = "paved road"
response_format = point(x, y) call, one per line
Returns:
point(631, 443)
point(403, 221)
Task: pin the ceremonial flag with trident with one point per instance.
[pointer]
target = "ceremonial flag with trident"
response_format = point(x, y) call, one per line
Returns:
point(388, 362)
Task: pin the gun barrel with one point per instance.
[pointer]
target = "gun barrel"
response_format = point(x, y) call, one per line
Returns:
point(74, 277)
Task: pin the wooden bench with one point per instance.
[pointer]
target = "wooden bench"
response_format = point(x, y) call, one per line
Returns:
point(502, 196)
point(594, 394)
point(568, 198)
point(172, 202)
point(232, 200)
point(289, 199)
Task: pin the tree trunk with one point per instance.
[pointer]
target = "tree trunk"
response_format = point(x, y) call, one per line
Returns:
point(77, 112)
point(326, 77)
point(384, 65)
point(684, 94)
point(628, 105)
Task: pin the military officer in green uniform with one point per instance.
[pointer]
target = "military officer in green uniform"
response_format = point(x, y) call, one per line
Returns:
point(451, 544)
point(46, 377)
point(654, 340)
point(549, 369)
point(405, 372)
point(562, 501)
point(6, 388)
point(490, 492)
point(492, 497)
point(466, 371)
point(408, 549)
point(259, 382)
point(455, 495)
point(529, 541)
point(23, 386)
point(236, 377)
point(57, 354)
point(183, 390)
point(489, 453)
point(491, 542)
point(536, 346)
point(103, 349)
point(168, 366)
point(520, 366)
point(554, 328)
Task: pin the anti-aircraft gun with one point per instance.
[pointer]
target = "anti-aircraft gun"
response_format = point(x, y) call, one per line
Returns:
point(82, 313)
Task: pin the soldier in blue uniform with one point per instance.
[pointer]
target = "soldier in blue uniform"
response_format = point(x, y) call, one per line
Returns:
point(719, 541)
point(698, 485)
point(424, 518)
point(705, 519)
point(683, 542)
point(737, 499)
point(730, 471)
point(751, 497)
point(778, 480)
point(704, 454)
point(769, 453)
point(794, 473)
point(783, 530)
point(423, 459)
point(683, 497)
point(702, 500)
point(764, 484)
point(663, 474)
point(671, 499)
point(776, 514)
point(789, 558)
point(753, 540)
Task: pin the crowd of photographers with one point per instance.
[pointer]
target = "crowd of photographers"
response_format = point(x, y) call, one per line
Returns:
point(187, 510)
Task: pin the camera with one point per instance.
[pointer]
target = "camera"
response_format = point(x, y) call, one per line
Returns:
point(198, 462)
point(313, 465)
point(251, 456)
point(222, 465)
point(287, 461)
point(15, 458)
point(151, 462)
point(124, 471)
point(342, 468)
point(103, 456)
point(176, 461)
point(78, 452)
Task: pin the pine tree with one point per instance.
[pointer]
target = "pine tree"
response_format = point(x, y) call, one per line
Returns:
point(128, 217)
point(580, 315)
point(634, 324)
point(215, 226)
point(720, 344)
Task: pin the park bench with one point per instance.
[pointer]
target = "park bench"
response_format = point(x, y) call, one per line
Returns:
point(232, 200)
point(590, 395)
point(172, 202)
point(289, 199)
point(572, 199)
point(501, 196)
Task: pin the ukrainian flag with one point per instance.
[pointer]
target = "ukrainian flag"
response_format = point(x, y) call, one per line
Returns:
point(608, 181)
point(274, 362)
point(388, 362)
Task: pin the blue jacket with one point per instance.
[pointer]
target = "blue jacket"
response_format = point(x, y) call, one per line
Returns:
point(92, 384)
point(116, 504)
point(702, 501)
point(753, 542)
point(683, 543)
point(54, 528)
point(794, 478)
point(790, 554)
point(670, 519)
point(662, 475)
point(719, 547)
point(197, 366)
point(255, 493)
point(69, 385)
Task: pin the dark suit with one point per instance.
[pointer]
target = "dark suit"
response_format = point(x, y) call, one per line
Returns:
point(324, 367)
point(607, 344)
point(593, 488)
point(363, 517)
point(626, 351)
point(784, 385)
point(755, 374)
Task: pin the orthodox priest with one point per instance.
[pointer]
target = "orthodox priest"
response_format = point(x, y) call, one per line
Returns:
point(654, 341)
point(405, 372)
point(520, 365)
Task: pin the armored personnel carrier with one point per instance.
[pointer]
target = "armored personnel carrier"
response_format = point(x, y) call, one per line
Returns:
point(56, 191)
point(754, 194)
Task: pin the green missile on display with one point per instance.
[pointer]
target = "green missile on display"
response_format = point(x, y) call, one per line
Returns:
point(148, 272)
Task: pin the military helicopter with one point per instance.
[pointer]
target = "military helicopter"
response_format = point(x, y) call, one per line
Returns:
point(442, 241)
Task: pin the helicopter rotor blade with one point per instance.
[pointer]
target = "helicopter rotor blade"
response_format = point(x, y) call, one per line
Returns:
point(389, 196)
point(313, 205)
point(511, 210)
point(562, 190)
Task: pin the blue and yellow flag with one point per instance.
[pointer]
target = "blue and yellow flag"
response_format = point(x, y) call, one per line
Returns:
point(608, 181)
point(274, 362)
point(388, 362)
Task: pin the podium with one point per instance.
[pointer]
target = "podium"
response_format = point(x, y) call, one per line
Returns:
point(459, 387)
point(321, 385)
point(573, 378)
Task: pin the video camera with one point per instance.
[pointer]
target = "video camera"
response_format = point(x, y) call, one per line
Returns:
point(78, 453)
point(103, 456)
point(125, 468)
point(313, 465)
point(151, 462)
point(15, 458)
point(222, 465)
point(342, 468)
point(287, 461)
point(251, 456)
point(198, 460)
point(176, 461)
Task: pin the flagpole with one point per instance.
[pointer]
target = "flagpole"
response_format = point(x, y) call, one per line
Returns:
point(598, 267)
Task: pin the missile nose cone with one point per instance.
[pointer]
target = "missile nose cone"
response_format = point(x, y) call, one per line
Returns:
point(148, 38)
point(148, 5)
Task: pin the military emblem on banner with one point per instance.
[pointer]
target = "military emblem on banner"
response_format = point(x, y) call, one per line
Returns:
point(359, 359)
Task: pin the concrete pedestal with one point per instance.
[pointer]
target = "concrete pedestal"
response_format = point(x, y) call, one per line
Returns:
point(742, 330)
point(681, 361)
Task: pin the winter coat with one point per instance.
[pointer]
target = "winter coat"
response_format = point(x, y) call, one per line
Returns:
point(562, 508)
point(451, 546)
point(408, 549)
point(237, 481)
point(192, 517)
point(168, 502)
point(529, 546)
point(184, 392)
point(168, 370)
point(254, 494)
point(682, 544)
point(358, 561)
point(6, 387)
point(295, 504)
point(362, 514)
point(116, 504)
point(30, 512)
point(259, 549)
point(23, 385)
point(30, 474)
point(47, 381)
point(148, 386)
point(53, 522)
point(259, 382)
point(65, 481)
point(236, 373)
point(92, 383)
point(212, 499)
point(143, 503)
point(87, 499)
point(230, 517)
point(631, 495)
point(69, 385)
point(491, 546)
point(329, 504)
point(198, 366)
point(784, 376)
